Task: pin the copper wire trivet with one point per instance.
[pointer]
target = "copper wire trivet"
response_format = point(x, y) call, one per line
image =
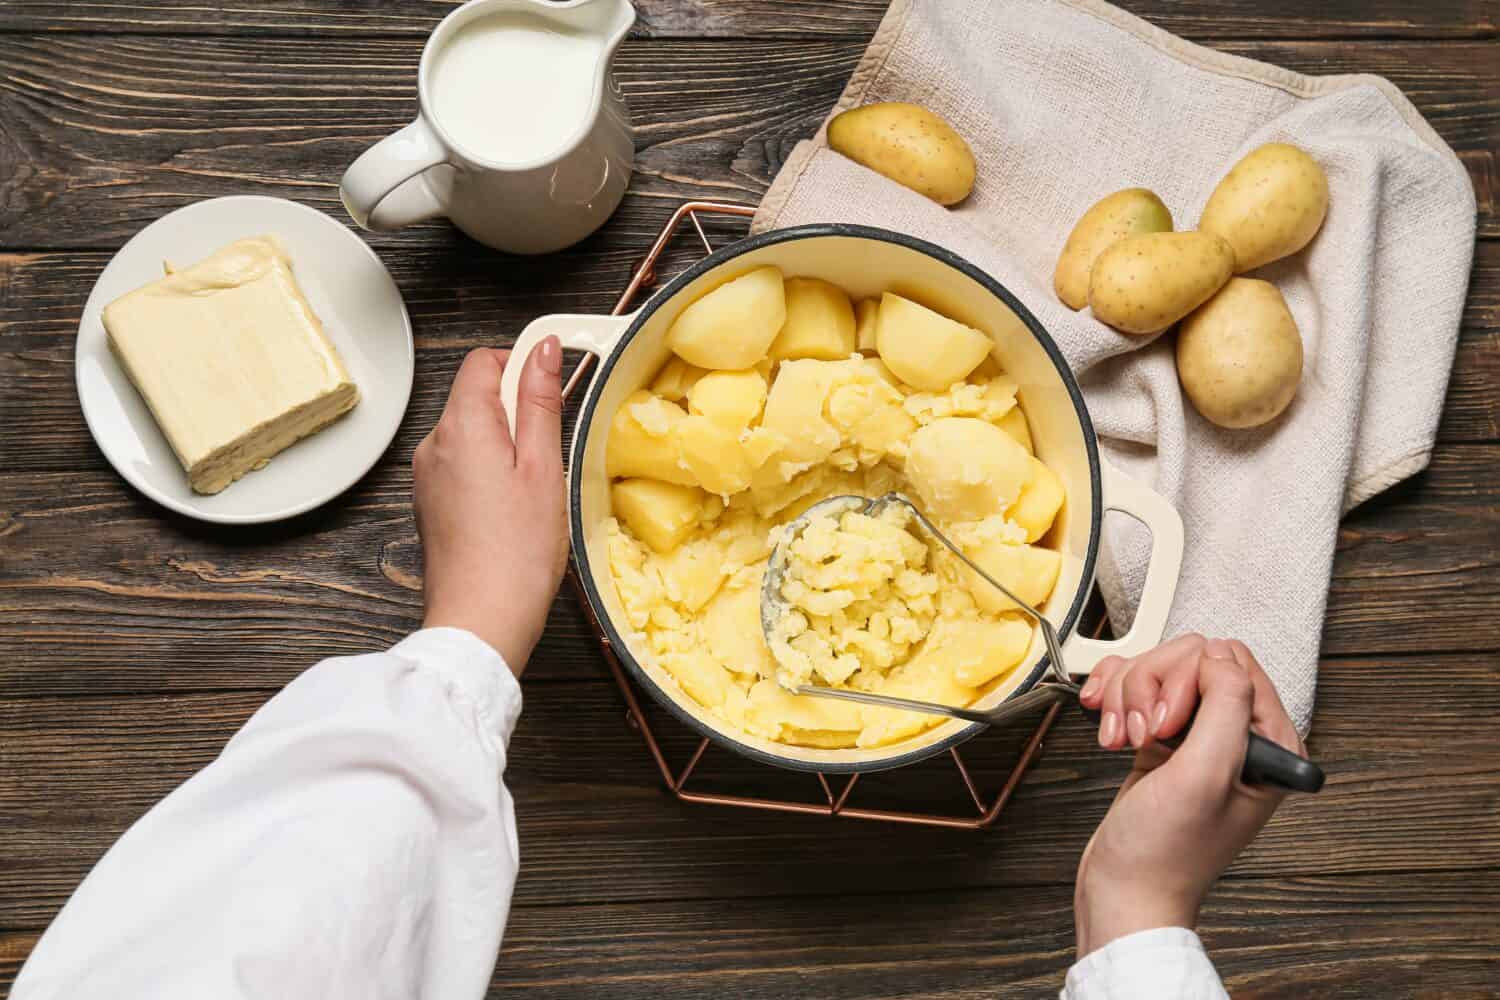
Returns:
point(835, 804)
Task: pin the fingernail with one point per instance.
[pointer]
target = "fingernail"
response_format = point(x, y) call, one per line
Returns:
point(1158, 716)
point(1135, 725)
point(1090, 687)
point(549, 356)
point(1219, 649)
point(1109, 729)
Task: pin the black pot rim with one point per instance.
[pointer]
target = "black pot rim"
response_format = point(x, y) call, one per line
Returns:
point(587, 413)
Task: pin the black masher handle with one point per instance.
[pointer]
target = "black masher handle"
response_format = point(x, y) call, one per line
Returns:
point(1266, 761)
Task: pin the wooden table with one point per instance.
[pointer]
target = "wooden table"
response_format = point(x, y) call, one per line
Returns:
point(133, 642)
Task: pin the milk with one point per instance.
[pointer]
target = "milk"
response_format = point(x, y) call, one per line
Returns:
point(514, 88)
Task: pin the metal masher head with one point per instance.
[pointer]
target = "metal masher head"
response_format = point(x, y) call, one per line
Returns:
point(773, 606)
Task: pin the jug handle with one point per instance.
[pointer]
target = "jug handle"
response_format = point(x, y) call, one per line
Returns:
point(596, 334)
point(1126, 495)
point(374, 189)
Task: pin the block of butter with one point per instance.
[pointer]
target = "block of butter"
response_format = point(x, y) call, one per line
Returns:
point(231, 359)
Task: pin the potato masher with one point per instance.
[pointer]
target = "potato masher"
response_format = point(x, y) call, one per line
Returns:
point(1266, 762)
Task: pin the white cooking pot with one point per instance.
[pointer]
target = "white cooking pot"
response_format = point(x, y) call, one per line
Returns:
point(865, 262)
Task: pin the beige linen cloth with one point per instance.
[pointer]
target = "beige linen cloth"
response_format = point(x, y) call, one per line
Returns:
point(1064, 101)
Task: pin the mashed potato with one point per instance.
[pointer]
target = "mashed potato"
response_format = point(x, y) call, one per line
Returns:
point(709, 464)
point(859, 595)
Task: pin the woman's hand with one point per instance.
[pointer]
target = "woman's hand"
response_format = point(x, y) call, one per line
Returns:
point(1180, 817)
point(490, 506)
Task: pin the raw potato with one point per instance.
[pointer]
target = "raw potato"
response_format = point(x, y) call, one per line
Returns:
point(910, 145)
point(1268, 206)
point(730, 399)
point(1040, 501)
point(1026, 571)
point(641, 440)
point(926, 349)
point(819, 322)
point(1132, 212)
point(965, 469)
point(865, 311)
point(1239, 356)
point(1144, 284)
point(732, 326)
point(659, 514)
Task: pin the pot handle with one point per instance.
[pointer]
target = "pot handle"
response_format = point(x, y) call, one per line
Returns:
point(1123, 494)
point(596, 334)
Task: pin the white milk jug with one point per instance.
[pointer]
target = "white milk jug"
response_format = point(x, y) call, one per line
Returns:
point(523, 138)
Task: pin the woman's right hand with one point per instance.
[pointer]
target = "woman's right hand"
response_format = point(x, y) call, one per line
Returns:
point(1181, 816)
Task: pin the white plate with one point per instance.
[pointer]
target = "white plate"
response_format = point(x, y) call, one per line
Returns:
point(361, 310)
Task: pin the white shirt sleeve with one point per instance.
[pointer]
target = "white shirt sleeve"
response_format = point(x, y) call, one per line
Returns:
point(1167, 963)
point(354, 839)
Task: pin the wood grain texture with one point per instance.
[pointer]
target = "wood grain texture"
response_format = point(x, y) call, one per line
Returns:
point(100, 135)
point(152, 600)
point(76, 771)
point(1380, 19)
point(460, 300)
point(115, 616)
point(1017, 945)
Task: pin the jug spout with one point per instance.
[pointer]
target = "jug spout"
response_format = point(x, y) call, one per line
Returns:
point(607, 20)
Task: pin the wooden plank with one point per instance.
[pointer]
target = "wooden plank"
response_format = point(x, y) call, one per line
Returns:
point(104, 134)
point(1393, 937)
point(75, 772)
point(1379, 19)
point(102, 591)
point(457, 302)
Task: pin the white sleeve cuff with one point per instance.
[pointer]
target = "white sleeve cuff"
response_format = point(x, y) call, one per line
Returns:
point(472, 673)
point(1167, 963)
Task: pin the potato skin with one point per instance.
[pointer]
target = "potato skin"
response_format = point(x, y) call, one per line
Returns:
point(909, 144)
point(1131, 212)
point(1269, 205)
point(1239, 355)
point(1144, 284)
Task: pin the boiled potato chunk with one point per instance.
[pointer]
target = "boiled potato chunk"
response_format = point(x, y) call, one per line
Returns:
point(819, 322)
point(965, 469)
point(641, 440)
point(925, 677)
point(1270, 205)
point(908, 144)
point(794, 409)
point(659, 514)
point(1026, 571)
point(731, 627)
point(731, 399)
point(1039, 503)
point(704, 680)
point(713, 455)
point(979, 651)
point(772, 705)
point(865, 311)
point(732, 326)
point(1239, 355)
point(693, 572)
point(1144, 284)
point(926, 349)
point(675, 379)
point(1014, 424)
point(1131, 212)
